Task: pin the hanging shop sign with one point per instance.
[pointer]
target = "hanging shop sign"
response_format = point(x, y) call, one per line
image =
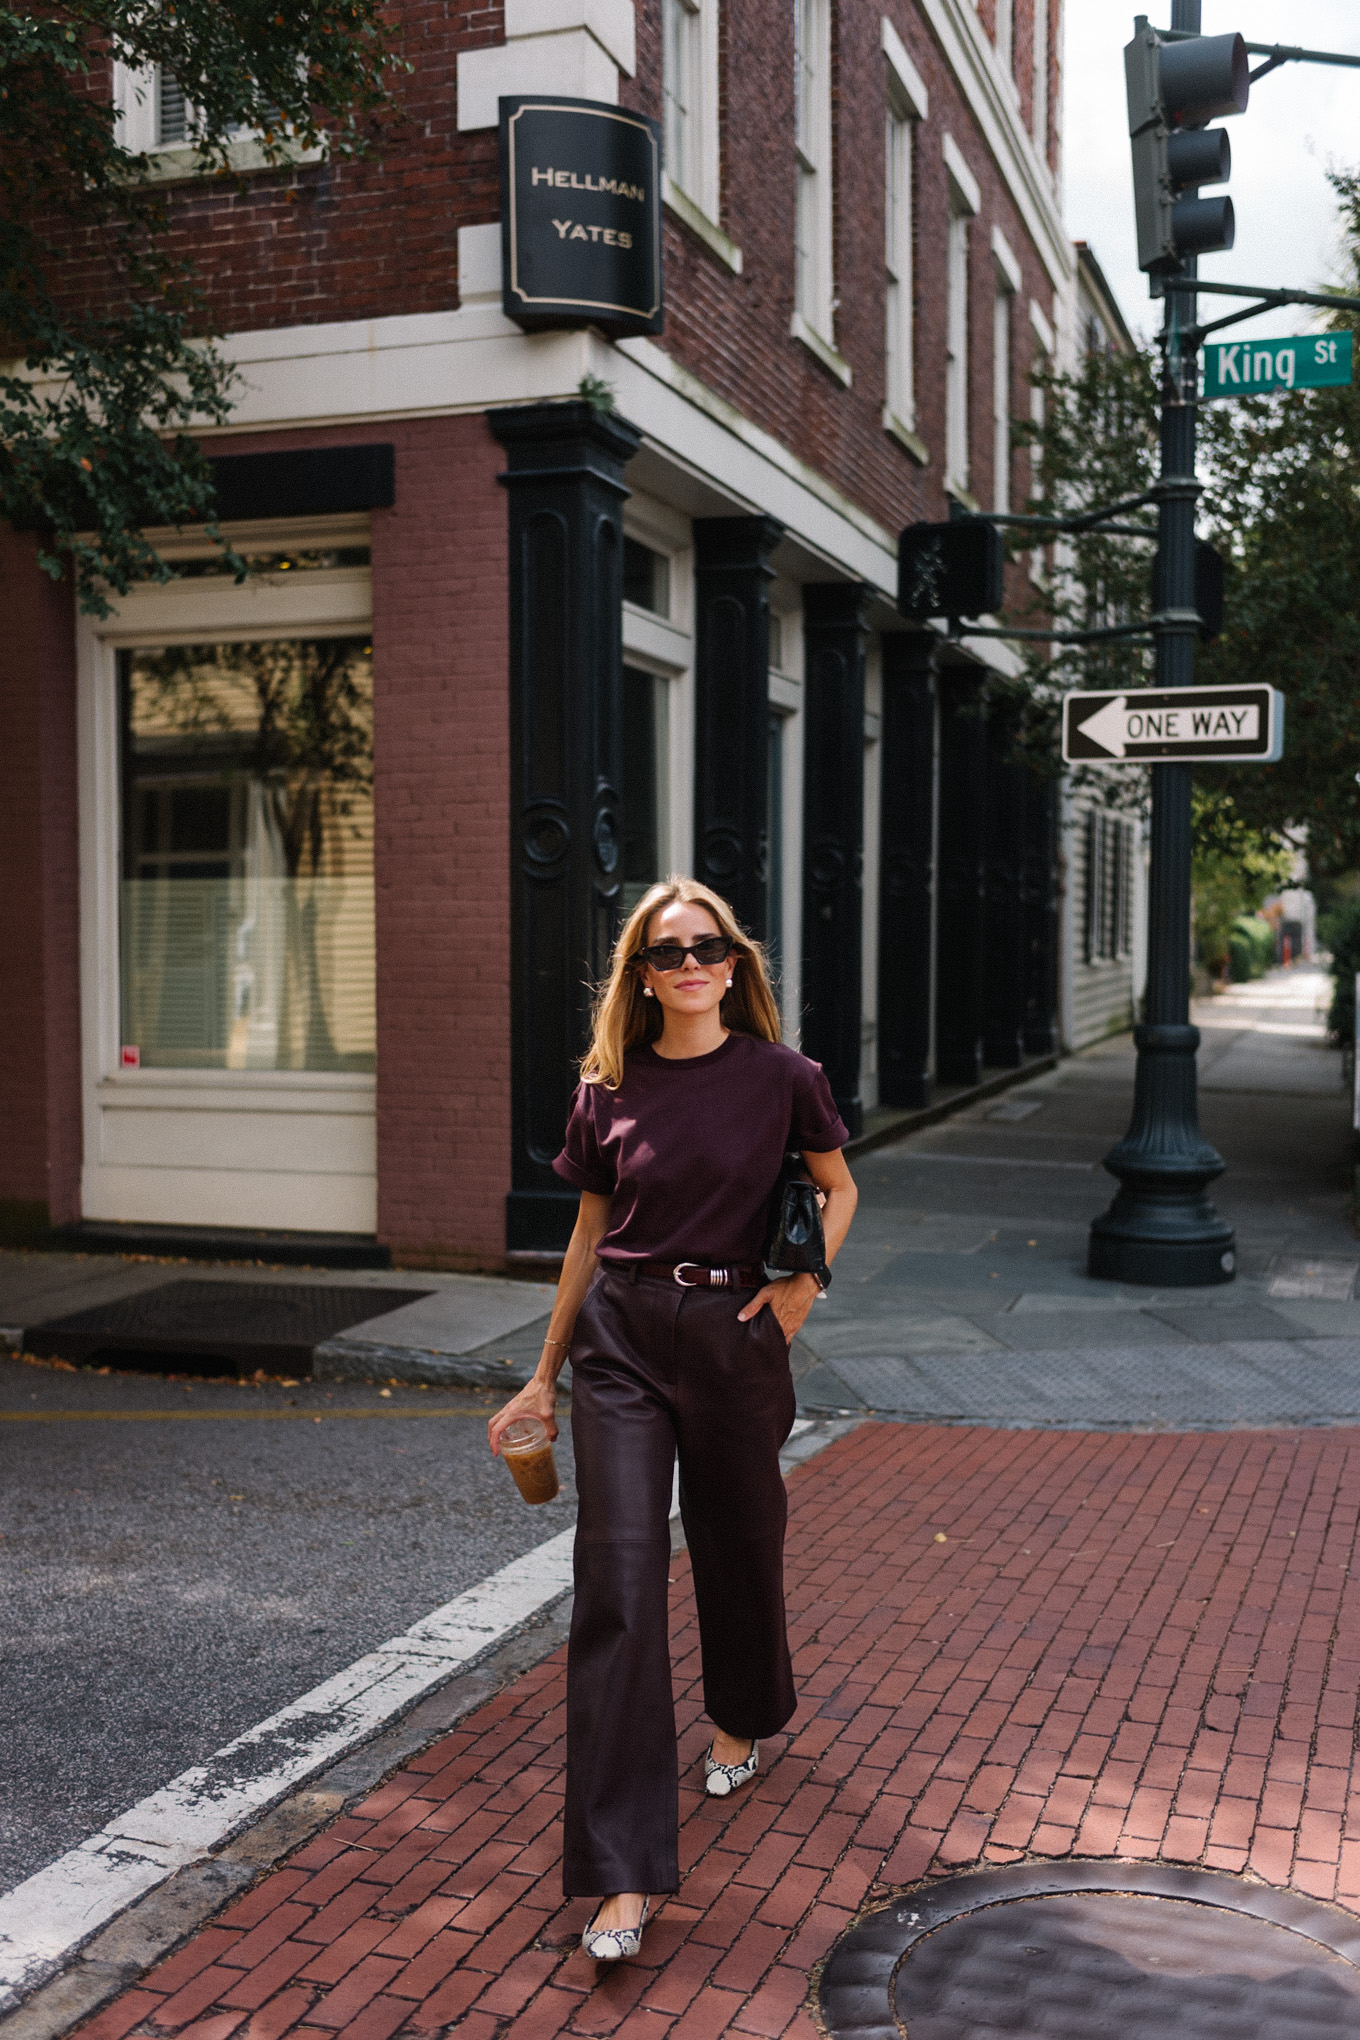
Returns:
point(580, 215)
point(1147, 725)
point(1245, 368)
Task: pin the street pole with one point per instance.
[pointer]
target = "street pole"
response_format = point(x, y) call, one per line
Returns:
point(1161, 1228)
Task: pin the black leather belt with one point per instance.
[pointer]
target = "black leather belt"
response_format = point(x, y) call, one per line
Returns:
point(692, 1275)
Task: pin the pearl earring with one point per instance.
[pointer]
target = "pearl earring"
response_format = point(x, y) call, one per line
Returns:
point(729, 984)
point(647, 992)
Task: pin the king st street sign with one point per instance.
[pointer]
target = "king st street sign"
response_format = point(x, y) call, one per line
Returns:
point(1245, 368)
point(1147, 725)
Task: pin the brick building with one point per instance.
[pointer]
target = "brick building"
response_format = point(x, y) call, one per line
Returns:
point(305, 877)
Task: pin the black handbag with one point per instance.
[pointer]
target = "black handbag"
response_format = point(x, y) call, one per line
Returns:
point(796, 1241)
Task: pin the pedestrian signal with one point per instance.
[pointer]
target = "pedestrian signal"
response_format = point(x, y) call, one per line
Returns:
point(1174, 90)
point(953, 569)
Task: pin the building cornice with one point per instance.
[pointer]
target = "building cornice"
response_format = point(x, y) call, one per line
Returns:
point(972, 59)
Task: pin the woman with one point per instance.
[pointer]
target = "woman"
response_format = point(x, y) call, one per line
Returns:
point(687, 1104)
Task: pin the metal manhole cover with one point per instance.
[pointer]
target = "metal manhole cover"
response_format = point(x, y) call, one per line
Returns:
point(231, 1326)
point(1132, 1951)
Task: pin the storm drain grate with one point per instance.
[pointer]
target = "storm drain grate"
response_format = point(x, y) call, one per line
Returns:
point(214, 1327)
point(1133, 1951)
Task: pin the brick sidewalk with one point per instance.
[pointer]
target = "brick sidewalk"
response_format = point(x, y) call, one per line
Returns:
point(1008, 1643)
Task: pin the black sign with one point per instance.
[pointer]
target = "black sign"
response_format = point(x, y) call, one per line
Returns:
point(950, 569)
point(1144, 724)
point(580, 215)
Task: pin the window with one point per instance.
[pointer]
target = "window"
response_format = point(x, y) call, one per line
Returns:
point(646, 577)
point(172, 114)
point(690, 101)
point(1008, 281)
point(1109, 887)
point(899, 375)
point(1005, 34)
point(646, 755)
point(812, 93)
point(1001, 397)
point(1039, 107)
point(956, 352)
point(681, 89)
point(246, 894)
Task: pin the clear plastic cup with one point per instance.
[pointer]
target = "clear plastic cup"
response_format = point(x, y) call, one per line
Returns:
point(527, 1450)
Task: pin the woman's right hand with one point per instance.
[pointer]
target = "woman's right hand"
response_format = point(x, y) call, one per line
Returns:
point(537, 1398)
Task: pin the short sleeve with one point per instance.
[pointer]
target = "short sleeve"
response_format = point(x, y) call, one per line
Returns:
point(816, 1127)
point(581, 1163)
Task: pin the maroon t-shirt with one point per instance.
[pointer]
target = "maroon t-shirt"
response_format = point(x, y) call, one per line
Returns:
point(690, 1150)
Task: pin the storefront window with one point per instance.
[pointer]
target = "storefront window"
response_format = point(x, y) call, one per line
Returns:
point(645, 755)
point(246, 908)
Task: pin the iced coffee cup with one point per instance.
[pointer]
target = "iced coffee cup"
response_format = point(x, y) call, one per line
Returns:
point(527, 1450)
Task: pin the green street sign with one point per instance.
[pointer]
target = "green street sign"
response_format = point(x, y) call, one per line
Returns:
point(1244, 368)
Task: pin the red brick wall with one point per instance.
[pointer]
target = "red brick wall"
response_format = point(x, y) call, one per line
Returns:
point(363, 240)
point(40, 1138)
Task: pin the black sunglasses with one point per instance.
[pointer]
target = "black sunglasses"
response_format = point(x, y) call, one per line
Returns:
point(668, 956)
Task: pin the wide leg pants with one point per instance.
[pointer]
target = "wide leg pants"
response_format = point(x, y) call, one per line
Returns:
point(658, 1370)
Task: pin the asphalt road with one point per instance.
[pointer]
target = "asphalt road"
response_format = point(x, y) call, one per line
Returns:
point(179, 1559)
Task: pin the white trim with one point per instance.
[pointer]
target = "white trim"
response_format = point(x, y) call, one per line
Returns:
point(694, 153)
point(611, 22)
point(1043, 330)
point(966, 188)
point(291, 1149)
point(970, 56)
point(1006, 261)
point(572, 65)
point(710, 233)
point(814, 158)
point(911, 87)
point(825, 353)
point(444, 364)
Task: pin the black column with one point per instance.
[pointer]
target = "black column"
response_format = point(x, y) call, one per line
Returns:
point(732, 577)
point(907, 882)
point(833, 835)
point(961, 936)
point(565, 483)
point(1040, 906)
point(1003, 1044)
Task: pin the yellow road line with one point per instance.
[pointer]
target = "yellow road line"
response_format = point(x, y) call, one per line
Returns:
point(224, 1416)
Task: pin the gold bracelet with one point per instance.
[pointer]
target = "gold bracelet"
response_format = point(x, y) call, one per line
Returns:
point(558, 1342)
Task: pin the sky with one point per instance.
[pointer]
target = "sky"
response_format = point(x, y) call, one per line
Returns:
point(1301, 119)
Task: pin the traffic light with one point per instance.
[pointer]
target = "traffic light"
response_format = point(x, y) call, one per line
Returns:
point(1175, 89)
point(953, 569)
point(1210, 572)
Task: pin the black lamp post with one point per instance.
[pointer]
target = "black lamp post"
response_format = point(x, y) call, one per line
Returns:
point(1161, 1227)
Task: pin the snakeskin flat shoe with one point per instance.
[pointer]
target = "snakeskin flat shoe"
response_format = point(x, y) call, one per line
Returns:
point(722, 1779)
point(615, 1944)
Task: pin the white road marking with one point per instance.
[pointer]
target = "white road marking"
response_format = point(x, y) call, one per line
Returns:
point(44, 1919)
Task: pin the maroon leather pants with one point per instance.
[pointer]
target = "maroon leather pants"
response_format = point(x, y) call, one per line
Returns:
point(658, 1370)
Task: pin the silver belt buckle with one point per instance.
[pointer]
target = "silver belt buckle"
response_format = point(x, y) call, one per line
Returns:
point(677, 1274)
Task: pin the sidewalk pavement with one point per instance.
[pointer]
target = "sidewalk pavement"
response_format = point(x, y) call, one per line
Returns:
point(1007, 1644)
point(961, 1295)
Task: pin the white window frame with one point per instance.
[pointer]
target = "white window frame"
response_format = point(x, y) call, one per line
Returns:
point(965, 202)
point(786, 701)
point(814, 314)
point(907, 103)
point(664, 646)
point(295, 1149)
point(1008, 285)
point(690, 94)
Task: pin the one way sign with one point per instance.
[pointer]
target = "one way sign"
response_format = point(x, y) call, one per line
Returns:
point(1146, 724)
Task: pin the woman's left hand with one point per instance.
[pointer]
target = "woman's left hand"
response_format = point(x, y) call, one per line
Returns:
point(790, 1300)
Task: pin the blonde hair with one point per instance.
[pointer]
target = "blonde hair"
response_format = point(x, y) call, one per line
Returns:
point(624, 1019)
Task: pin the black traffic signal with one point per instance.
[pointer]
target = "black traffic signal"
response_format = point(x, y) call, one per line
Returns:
point(953, 569)
point(1175, 89)
point(1209, 582)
